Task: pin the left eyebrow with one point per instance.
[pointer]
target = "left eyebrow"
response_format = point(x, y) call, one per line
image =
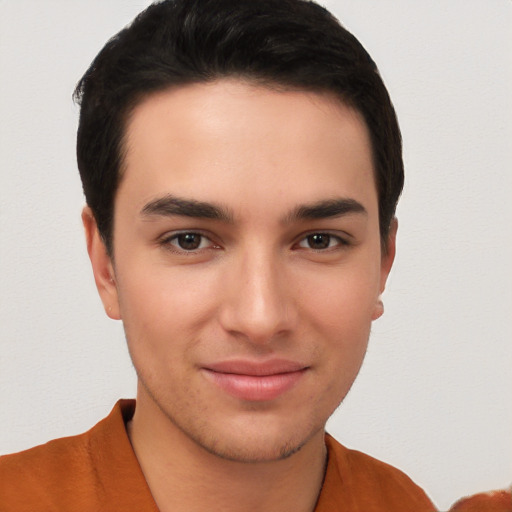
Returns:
point(326, 209)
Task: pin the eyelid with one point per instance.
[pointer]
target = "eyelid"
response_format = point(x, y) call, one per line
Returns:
point(166, 239)
point(344, 239)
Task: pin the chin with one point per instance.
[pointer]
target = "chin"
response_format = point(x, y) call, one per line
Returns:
point(257, 442)
point(251, 450)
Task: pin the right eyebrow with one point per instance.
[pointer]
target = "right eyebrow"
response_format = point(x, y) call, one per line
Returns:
point(169, 205)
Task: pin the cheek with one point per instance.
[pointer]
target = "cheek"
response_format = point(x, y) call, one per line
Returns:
point(159, 294)
point(342, 300)
point(339, 310)
point(163, 311)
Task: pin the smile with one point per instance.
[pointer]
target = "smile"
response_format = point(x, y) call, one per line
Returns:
point(254, 381)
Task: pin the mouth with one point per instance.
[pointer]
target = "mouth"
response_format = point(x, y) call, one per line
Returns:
point(254, 381)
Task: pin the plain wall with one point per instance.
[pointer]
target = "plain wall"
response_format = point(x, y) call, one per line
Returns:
point(434, 396)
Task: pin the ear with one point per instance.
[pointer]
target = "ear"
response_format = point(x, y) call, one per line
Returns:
point(387, 258)
point(102, 266)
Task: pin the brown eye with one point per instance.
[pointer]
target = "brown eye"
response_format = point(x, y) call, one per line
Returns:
point(188, 241)
point(319, 241)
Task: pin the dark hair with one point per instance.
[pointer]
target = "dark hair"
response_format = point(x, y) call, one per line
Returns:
point(295, 44)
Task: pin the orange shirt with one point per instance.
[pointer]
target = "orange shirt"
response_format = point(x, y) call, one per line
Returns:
point(98, 471)
point(493, 501)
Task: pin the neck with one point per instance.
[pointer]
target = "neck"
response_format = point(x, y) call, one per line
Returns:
point(183, 476)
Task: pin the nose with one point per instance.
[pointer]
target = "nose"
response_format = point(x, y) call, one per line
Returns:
point(258, 303)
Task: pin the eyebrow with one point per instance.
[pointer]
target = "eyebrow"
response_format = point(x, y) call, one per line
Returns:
point(170, 205)
point(326, 209)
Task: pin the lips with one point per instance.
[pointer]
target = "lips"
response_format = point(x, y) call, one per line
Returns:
point(255, 381)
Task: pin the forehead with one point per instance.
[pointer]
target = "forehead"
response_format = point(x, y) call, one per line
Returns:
point(230, 138)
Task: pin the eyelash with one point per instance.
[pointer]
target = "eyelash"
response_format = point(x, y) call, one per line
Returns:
point(340, 242)
point(167, 242)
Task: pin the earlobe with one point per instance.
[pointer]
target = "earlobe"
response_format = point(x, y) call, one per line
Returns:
point(378, 310)
point(102, 267)
point(387, 259)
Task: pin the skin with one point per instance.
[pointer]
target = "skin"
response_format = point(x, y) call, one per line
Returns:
point(261, 282)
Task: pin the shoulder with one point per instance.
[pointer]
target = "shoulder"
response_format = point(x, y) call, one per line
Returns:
point(365, 467)
point(96, 470)
point(26, 477)
point(370, 484)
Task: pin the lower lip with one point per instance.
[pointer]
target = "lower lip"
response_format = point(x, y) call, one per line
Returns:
point(255, 388)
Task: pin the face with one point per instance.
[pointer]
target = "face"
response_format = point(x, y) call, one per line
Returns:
point(247, 262)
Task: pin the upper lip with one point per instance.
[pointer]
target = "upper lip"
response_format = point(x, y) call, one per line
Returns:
point(256, 368)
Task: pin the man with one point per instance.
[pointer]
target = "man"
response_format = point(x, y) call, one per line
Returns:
point(241, 162)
